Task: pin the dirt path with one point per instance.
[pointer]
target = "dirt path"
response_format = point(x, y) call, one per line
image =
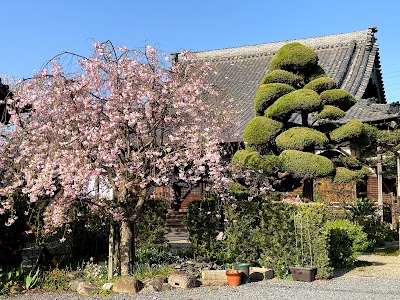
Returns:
point(380, 266)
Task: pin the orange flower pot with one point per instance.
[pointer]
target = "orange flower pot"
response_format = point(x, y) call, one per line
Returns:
point(234, 277)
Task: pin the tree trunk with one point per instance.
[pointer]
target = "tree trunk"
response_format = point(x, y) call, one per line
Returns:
point(308, 190)
point(126, 247)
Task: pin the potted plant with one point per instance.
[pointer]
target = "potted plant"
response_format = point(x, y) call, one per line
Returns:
point(305, 270)
point(234, 276)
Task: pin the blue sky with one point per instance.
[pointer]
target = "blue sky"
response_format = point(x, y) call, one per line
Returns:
point(35, 31)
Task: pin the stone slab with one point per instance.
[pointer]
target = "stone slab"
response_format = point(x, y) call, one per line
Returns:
point(258, 274)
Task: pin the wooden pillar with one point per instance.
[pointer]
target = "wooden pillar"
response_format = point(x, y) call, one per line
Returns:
point(380, 183)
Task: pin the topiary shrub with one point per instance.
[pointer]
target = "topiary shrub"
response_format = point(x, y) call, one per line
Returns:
point(315, 73)
point(339, 98)
point(305, 165)
point(268, 94)
point(300, 138)
point(321, 84)
point(294, 57)
point(282, 76)
point(330, 112)
point(346, 240)
point(260, 130)
point(348, 132)
point(297, 101)
point(344, 175)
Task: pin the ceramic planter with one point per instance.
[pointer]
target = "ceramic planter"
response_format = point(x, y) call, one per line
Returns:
point(234, 277)
point(306, 274)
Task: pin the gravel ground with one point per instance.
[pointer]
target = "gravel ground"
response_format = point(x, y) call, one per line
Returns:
point(381, 280)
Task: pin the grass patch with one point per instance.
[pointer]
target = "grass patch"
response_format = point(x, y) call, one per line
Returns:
point(390, 251)
point(143, 271)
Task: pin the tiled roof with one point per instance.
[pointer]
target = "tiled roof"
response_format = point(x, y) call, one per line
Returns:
point(368, 111)
point(348, 58)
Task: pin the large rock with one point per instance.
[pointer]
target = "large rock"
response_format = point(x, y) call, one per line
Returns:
point(181, 280)
point(154, 285)
point(73, 284)
point(257, 274)
point(86, 288)
point(128, 285)
point(213, 277)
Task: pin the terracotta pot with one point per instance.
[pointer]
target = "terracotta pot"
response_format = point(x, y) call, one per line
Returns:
point(234, 277)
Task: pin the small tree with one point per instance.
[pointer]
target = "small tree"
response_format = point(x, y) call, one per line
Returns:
point(122, 119)
point(294, 132)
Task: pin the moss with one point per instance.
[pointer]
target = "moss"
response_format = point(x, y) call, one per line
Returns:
point(321, 84)
point(297, 101)
point(294, 57)
point(282, 76)
point(305, 165)
point(348, 132)
point(268, 94)
point(339, 98)
point(330, 112)
point(300, 138)
point(260, 130)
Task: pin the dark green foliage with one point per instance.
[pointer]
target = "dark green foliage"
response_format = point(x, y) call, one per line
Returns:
point(303, 100)
point(150, 225)
point(350, 162)
point(260, 130)
point(339, 98)
point(330, 112)
point(204, 226)
point(268, 94)
point(305, 165)
point(344, 175)
point(321, 84)
point(315, 73)
point(282, 76)
point(346, 240)
point(278, 239)
point(300, 138)
point(348, 132)
point(361, 210)
point(242, 232)
point(294, 57)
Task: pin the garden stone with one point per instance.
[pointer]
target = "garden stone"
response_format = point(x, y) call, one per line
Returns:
point(107, 286)
point(86, 288)
point(16, 289)
point(181, 280)
point(213, 277)
point(166, 287)
point(128, 285)
point(73, 284)
point(258, 274)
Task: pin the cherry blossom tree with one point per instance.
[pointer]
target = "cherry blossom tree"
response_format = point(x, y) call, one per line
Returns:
point(129, 120)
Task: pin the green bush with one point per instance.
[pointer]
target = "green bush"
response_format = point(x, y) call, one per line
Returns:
point(260, 130)
point(346, 240)
point(294, 57)
point(204, 226)
point(298, 101)
point(339, 98)
point(252, 159)
point(305, 165)
point(348, 132)
point(55, 279)
point(282, 76)
point(344, 175)
point(300, 138)
point(267, 94)
point(321, 84)
point(330, 112)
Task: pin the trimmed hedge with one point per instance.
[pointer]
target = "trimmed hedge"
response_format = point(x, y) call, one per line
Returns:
point(321, 84)
point(297, 101)
point(268, 94)
point(300, 138)
point(344, 175)
point(282, 76)
point(339, 98)
point(260, 130)
point(348, 132)
point(330, 112)
point(305, 165)
point(294, 57)
point(346, 240)
point(267, 163)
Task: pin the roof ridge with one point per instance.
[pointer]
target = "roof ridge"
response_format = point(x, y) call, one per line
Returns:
point(317, 42)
